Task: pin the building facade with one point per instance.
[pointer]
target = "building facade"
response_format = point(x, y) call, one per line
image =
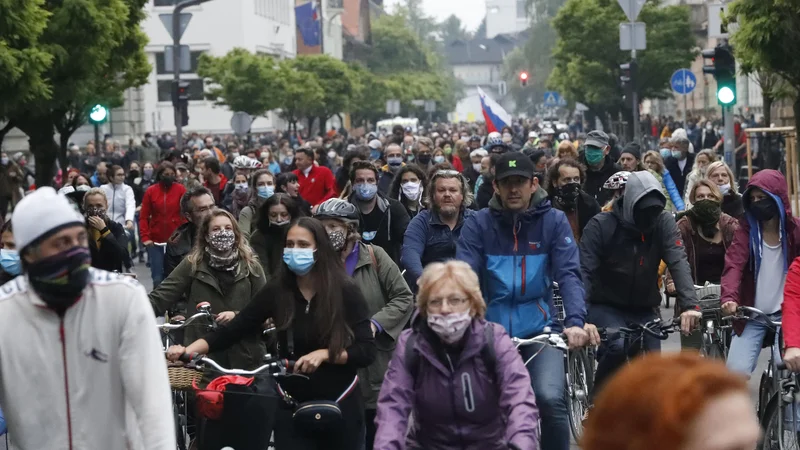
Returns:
point(506, 17)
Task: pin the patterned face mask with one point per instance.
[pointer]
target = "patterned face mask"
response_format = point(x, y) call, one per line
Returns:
point(337, 240)
point(93, 211)
point(221, 241)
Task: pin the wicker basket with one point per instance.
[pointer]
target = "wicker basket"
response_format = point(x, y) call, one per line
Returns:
point(181, 378)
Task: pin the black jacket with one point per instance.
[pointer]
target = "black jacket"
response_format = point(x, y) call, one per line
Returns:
point(678, 175)
point(619, 263)
point(178, 246)
point(587, 208)
point(485, 193)
point(111, 255)
point(392, 228)
point(593, 185)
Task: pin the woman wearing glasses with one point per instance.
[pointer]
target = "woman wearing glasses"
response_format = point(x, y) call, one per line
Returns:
point(452, 353)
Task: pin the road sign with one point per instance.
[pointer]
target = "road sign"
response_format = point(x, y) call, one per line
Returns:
point(552, 98)
point(632, 8)
point(184, 19)
point(632, 36)
point(715, 28)
point(240, 122)
point(418, 102)
point(430, 106)
point(186, 59)
point(392, 106)
point(683, 81)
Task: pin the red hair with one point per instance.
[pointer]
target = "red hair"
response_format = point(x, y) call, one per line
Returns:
point(652, 402)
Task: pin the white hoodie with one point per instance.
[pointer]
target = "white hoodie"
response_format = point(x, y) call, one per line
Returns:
point(121, 202)
point(78, 382)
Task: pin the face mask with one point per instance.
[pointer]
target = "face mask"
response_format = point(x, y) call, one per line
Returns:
point(568, 194)
point(234, 155)
point(477, 167)
point(594, 156)
point(506, 137)
point(332, 154)
point(221, 241)
point(281, 225)
point(4, 161)
point(677, 154)
point(706, 214)
point(412, 191)
point(167, 181)
point(763, 210)
point(448, 150)
point(337, 240)
point(266, 191)
point(725, 188)
point(374, 154)
point(148, 172)
point(60, 279)
point(365, 191)
point(82, 188)
point(299, 260)
point(394, 161)
point(134, 174)
point(241, 186)
point(645, 219)
point(287, 160)
point(710, 127)
point(93, 211)
point(424, 159)
point(438, 159)
point(450, 328)
point(665, 153)
point(9, 260)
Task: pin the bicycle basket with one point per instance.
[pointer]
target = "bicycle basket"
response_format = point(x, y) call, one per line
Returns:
point(181, 378)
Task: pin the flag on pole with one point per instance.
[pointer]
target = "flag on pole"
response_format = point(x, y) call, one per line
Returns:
point(496, 117)
point(308, 23)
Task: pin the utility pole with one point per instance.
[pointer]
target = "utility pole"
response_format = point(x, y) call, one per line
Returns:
point(321, 14)
point(179, 107)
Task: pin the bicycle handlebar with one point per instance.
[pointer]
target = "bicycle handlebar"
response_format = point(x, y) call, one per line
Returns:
point(204, 310)
point(558, 341)
point(654, 328)
point(283, 366)
point(757, 312)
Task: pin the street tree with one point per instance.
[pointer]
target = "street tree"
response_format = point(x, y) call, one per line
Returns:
point(587, 58)
point(241, 81)
point(764, 42)
point(339, 85)
point(451, 29)
point(396, 48)
point(300, 93)
point(96, 50)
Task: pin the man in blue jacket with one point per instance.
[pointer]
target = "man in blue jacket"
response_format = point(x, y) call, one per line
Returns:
point(518, 246)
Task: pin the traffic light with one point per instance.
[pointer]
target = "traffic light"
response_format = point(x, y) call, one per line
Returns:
point(98, 114)
point(180, 92)
point(627, 76)
point(523, 79)
point(723, 68)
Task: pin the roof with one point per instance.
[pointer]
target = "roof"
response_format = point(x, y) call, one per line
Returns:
point(481, 50)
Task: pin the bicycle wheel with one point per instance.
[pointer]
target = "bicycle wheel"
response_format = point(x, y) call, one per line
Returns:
point(580, 372)
point(712, 350)
point(778, 433)
point(764, 393)
point(180, 435)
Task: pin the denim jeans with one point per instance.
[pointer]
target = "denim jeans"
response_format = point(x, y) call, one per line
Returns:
point(611, 355)
point(548, 380)
point(155, 254)
point(745, 349)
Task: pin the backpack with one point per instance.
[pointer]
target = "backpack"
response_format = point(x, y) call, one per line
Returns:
point(487, 354)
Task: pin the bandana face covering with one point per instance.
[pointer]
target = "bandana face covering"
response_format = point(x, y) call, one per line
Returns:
point(221, 252)
point(60, 279)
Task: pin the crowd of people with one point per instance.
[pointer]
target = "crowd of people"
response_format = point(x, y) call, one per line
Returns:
point(396, 268)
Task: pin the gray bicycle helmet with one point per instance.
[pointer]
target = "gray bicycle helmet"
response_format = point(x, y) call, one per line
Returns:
point(339, 209)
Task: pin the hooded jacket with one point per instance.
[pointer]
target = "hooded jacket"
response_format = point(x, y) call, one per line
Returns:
point(517, 256)
point(121, 202)
point(455, 402)
point(595, 179)
point(620, 263)
point(743, 257)
point(393, 226)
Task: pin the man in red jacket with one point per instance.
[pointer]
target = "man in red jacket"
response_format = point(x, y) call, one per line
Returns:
point(317, 183)
point(160, 216)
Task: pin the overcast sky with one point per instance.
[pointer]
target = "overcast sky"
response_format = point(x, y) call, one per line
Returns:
point(471, 12)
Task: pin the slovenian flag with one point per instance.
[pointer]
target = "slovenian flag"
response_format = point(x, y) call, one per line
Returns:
point(496, 117)
point(308, 23)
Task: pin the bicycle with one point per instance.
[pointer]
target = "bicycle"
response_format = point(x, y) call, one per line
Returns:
point(716, 333)
point(181, 378)
point(634, 334)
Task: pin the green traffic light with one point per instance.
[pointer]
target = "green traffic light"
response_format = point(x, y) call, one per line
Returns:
point(98, 114)
point(725, 95)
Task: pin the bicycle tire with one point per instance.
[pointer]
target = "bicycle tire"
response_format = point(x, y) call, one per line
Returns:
point(770, 422)
point(764, 393)
point(580, 372)
point(712, 351)
point(180, 436)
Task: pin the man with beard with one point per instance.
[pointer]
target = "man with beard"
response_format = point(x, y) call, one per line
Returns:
point(432, 234)
point(564, 180)
point(195, 205)
point(394, 161)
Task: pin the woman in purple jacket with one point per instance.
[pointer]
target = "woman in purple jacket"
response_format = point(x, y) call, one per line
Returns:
point(460, 376)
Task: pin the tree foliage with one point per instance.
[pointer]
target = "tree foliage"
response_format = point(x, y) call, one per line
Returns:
point(587, 58)
point(451, 29)
point(395, 47)
point(301, 94)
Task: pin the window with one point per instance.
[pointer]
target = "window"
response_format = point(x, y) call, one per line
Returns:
point(164, 2)
point(522, 9)
point(277, 10)
point(164, 79)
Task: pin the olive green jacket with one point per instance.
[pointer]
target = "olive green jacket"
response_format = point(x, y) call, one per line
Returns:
point(202, 285)
point(390, 303)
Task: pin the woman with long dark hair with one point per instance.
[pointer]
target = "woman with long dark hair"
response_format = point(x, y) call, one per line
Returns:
point(407, 187)
point(323, 323)
point(262, 187)
point(288, 183)
point(272, 221)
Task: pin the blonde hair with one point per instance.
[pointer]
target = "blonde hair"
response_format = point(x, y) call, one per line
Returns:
point(246, 253)
point(716, 165)
point(566, 150)
point(92, 192)
point(459, 273)
point(715, 192)
point(657, 156)
point(710, 154)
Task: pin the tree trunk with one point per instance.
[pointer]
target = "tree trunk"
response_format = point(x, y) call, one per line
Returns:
point(62, 153)
point(323, 125)
point(41, 138)
point(767, 100)
point(311, 120)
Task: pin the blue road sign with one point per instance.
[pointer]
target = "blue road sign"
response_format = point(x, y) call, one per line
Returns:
point(552, 98)
point(683, 81)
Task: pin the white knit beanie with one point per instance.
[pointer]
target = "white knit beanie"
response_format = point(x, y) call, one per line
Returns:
point(40, 214)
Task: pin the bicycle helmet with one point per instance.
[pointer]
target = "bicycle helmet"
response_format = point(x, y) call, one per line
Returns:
point(339, 209)
point(494, 142)
point(548, 131)
point(617, 181)
point(245, 162)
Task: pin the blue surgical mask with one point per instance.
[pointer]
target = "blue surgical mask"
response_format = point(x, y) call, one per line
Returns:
point(374, 154)
point(9, 260)
point(395, 161)
point(365, 191)
point(266, 191)
point(665, 153)
point(677, 154)
point(299, 260)
point(438, 159)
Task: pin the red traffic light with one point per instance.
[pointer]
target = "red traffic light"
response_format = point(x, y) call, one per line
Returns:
point(523, 76)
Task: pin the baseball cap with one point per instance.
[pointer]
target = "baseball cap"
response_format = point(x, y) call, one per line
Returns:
point(513, 163)
point(596, 138)
point(375, 144)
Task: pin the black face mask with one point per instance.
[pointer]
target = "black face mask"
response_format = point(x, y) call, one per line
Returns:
point(424, 159)
point(567, 195)
point(646, 219)
point(134, 174)
point(167, 181)
point(763, 210)
point(60, 279)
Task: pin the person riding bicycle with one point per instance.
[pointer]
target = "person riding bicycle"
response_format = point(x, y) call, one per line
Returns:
point(518, 247)
point(449, 345)
point(766, 243)
point(620, 255)
point(80, 354)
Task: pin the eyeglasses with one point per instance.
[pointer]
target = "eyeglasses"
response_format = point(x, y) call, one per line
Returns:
point(454, 302)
